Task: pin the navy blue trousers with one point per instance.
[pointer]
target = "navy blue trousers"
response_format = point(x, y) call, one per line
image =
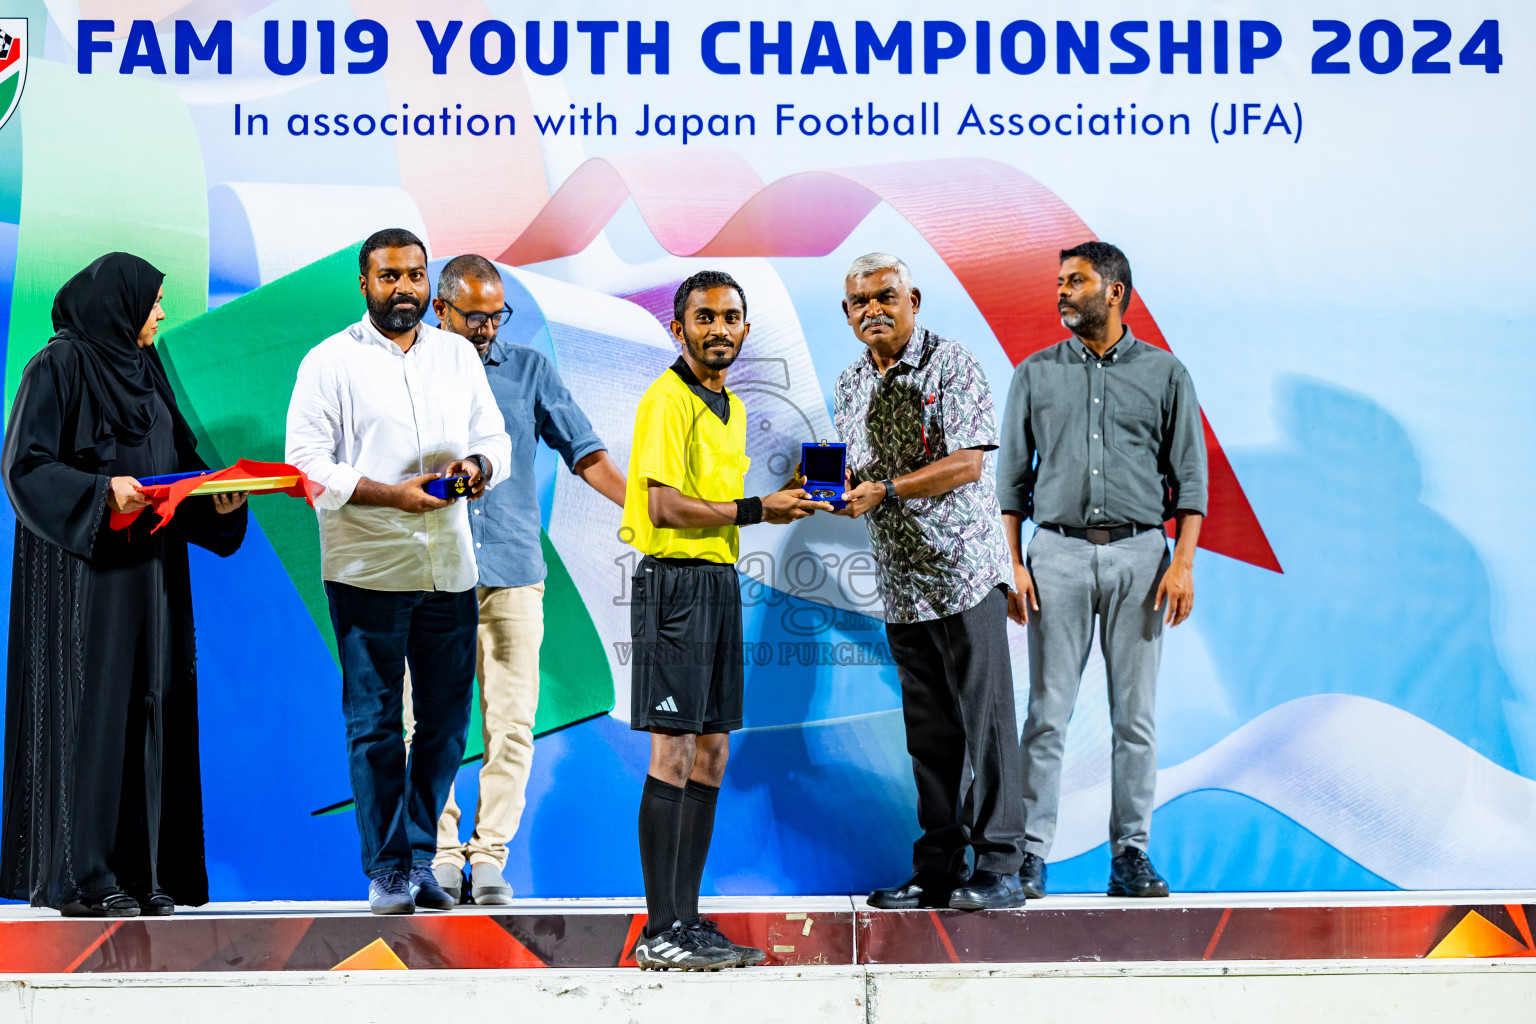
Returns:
point(398, 796)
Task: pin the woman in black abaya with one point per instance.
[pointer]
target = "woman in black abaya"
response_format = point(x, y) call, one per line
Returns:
point(103, 812)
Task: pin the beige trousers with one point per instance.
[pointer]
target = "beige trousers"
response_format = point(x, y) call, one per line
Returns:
point(507, 665)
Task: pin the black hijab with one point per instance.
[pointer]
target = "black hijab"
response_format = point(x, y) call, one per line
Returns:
point(102, 309)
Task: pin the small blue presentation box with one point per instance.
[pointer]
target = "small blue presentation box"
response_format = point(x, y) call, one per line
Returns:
point(823, 464)
point(448, 487)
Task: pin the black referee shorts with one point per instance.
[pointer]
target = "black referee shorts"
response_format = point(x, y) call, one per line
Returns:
point(686, 658)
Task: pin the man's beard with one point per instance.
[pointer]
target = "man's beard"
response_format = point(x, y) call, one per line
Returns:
point(1088, 318)
point(394, 320)
point(699, 350)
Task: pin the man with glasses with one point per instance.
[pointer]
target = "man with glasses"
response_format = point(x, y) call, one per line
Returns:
point(471, 303)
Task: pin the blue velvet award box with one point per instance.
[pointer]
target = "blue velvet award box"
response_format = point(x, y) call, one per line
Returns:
point(822, 463)
point(448, 487)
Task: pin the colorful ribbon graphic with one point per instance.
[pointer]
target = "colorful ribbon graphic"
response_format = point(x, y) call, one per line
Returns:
point(998, 230)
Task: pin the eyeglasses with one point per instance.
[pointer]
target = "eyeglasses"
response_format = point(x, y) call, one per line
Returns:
point(475, 321)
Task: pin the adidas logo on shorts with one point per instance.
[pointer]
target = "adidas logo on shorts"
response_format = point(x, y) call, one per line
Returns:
point(667, 705)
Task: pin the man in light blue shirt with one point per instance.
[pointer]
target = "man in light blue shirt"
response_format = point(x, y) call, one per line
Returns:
point(535, 405)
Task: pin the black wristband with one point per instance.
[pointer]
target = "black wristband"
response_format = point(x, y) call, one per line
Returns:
point(890, 500)
point(749, 511)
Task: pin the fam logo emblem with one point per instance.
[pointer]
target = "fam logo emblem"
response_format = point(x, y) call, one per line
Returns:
point(13, 65)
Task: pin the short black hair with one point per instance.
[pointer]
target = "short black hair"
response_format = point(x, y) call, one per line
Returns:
point(389, 238)
point(703, 281)
point(1108, 262)
point(468, 267)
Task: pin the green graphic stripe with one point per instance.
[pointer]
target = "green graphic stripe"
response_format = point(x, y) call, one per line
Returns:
point(575, 679)
point(10, 169)
point(135, 184)
point(235, 367)
point(36, 13)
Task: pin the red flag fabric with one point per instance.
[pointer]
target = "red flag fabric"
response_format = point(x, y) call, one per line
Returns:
point(164, 498)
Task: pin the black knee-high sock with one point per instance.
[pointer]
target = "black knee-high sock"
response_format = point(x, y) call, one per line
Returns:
point(693, 846)
point(661, 813)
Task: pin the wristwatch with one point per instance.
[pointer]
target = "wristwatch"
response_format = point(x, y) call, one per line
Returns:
point(485, 466)
point(890, 500)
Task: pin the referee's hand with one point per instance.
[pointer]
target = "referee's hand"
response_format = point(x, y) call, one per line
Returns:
point(788, 505)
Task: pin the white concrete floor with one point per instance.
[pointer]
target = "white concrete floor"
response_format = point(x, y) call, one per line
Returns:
point(1411, 992)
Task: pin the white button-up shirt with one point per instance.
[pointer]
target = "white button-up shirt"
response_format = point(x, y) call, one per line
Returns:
point(363, 408)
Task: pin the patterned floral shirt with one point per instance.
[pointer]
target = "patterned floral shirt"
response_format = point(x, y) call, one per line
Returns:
point(937, 556)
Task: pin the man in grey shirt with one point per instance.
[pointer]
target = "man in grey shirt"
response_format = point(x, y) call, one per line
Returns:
point(1101, 444)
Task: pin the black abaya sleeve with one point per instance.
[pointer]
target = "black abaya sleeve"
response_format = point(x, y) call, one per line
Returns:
point(197, 521)
point(200, 523)
point(56, 501)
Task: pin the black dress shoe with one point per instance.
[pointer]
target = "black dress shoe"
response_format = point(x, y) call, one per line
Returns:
point(156, 904)
point(1132, 874)
point(102, 903)
point(1032, 875)
point(989, 891)
point(921, 890)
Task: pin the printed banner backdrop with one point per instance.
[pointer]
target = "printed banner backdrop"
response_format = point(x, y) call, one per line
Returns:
point(1327, 215)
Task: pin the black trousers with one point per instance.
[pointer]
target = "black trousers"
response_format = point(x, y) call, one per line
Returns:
point(957, 701)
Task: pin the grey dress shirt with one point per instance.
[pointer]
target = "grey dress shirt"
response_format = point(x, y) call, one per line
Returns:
point(1094, 441)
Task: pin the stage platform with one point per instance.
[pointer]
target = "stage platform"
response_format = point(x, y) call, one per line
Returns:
point(807, 933)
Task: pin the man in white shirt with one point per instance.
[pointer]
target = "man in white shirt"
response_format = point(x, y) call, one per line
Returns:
point(380, 410)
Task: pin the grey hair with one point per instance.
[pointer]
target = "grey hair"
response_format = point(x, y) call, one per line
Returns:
point(874, 262)
point(461, 268)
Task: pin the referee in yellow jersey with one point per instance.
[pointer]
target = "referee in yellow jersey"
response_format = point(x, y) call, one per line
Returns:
point(683, 510)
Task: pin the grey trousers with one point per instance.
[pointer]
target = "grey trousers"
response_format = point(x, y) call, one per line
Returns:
point(1117, 584)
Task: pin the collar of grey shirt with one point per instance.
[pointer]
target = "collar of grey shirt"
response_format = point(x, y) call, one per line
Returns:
point(1120, 348)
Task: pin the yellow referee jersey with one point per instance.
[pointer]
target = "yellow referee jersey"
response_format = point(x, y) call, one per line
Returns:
point(681, 442)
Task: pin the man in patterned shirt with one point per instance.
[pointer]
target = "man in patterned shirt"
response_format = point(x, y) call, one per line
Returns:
point(916, 413)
